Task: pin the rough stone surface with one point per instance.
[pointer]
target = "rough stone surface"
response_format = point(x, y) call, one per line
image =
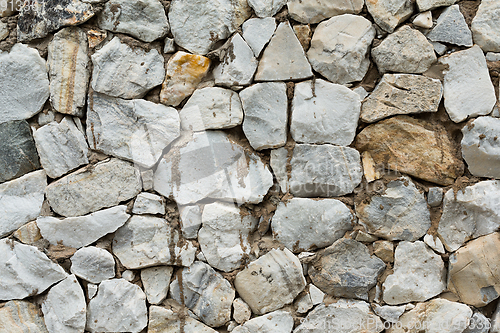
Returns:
point(388, 312)
point(143, 19)
point(388, 14)
point(339, 48)
point(126, 72)
point(400, 142)
point(4, 30)
point(156, 282)
point(325, 221)
point(69, 71)
point(87, 190)
point(265, 107)
point(28, 233)
point(277, 274)
point(20, 317)
point(265, 8)
point(205, 292)
point(24, 82)
point(163, 320)
point(323, 112)
point(135, 130)
point(402, 94)
point(279, 161)
point(190, 218)
point(479, 323)
point(257, 33)
point(424, 5)
point(451, 28)
point(119, 306)
point(346, 269)
point(384, 250)
point(25, 271)
point(435, 196)
point(484, 26)
point(419, 274)
point(313, 11)
point(241, 311)
point(274, 322)
point(148, 203)
point(468, 91)
point(93, 264)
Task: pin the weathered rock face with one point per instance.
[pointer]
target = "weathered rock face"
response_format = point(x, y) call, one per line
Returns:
point(346, 269)
point(21, 316)
point(156, 282)
point(229, 171)
point(400, 142)
point(148, 203)
point(90, 227)
point(205, 292)
point(480, 147)
point(147, 241)
point(468, 91)
point(401, 94)
point(326, 221)
point(93, 264)
point(25, 271)
point(37, 20)
point(125, 72)
point(419, 274)
point(399, 213)
point(257, 33)
point(323, 112)
point(264, 8)
point(388, 14)
point(451, 28)
point(119, 306)
point(28, 233)
point(405, 51)
point(163, 320)
point(424, 5)
point(484, 27)
point(90, 189)
point(277, 274)
point(310, 11)
point(21, 201)
point(474, 273)
point(274, 322)
point(68, 63)
point(339, 48)
point(143, 19)
point(241, 311)
point(197, 25)
point(24, 82)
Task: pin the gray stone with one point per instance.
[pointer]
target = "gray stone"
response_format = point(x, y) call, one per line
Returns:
point(479, 323)
point(398, 213)
point(93, 264)
point(4, 30)
point(468, 91)
point(156, 282)
point(257, 33)
point(388, 14)
point(62, 147)
point(439, 48)
point(143, 19)
point(303, 303)
point(325, 220)
point(451, 28)
point(18, 154)
point(284, 58)
point(45, 117)
point(21, 201)
point(169, 45)
point(24, 82)
point(86, 190)
point(148, 203)
point(339, 48)
point(122, 71)
point(163, 320)
point(346, 269)
point(405, 51)
point(265, 8)
point(388, 312)
point(205, 292)
point(190, 218)
point(484, 26)
point(315, 11)
point(323, 112)
point(402, 94)
point(20, 317)
point(361, 92)
point(265, 107)
point(274, 322)
point(147, 179)
point(424, 5)
point(279, 161)
point(435, 196)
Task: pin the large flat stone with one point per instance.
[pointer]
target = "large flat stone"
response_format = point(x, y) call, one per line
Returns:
point(315, 11)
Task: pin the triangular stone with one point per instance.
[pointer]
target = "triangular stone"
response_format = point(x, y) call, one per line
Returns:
point(283, 58)
point(451, 28)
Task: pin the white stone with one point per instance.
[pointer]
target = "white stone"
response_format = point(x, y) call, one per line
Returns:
point(388, 312)
point(143, 19)
point(279, 161)
point(91, 290)
point(229, 172)
point(122, 71)
point(211, 108)
point(225, 235)
point(274, 322)
point(481, 148)
point(190, 217)
point(257, 32)
point(198, 24)
point(303, 303)
point(361, 92)
point(24, 82)
point(325, 220)
point(451, 28)
point(419, 274)
point(21, 201)
point(491, 56)
point(205, 292)
point(339, 48)
point(314, 11)
point(169, 45)
point(439, 48)
point(434, 243)
point(423, 20)
point(156, 282)
point(128, 275)
point(323, 112)
point(468, 91)
point(148, 203)
point(163, 320)
point(469, 213)
point(238, 65)
point(89, 189)
point(20, 317)
point(265, 107)
point(484, 26)
point(147, 179)
point(241, 311)
point(93, 264)
point(83, 230)
point(119, 306)
point(25, 271)
point(148, 241)
point(266, 8)
point(64, 309)
point(61, 146)
point(284, 58)
point(424, 5)
point(277, 274)
point(316, 294)
point(388, 14)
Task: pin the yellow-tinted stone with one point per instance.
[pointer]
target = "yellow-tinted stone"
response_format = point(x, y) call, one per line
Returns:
point(28, 233)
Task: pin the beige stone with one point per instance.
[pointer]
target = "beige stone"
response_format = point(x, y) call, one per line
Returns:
point(369, 167)
point(28, 233)
point(384, 250)
point(21, 317)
